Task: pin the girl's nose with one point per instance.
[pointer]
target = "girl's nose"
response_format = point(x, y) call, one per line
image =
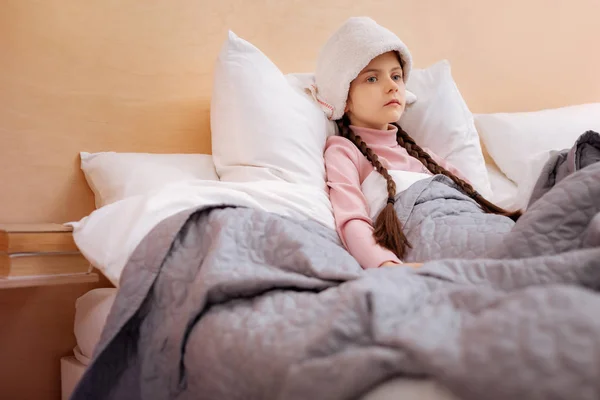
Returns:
point(392, 86)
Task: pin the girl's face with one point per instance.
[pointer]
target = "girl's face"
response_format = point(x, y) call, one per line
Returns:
point(377, 96)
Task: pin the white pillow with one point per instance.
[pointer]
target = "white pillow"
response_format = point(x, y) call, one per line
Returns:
point(504, 191)
point(114, 176)
point(264, 128)
point(441, 121)
point(529, 178)
point(271, 130)
point(438, 118)
point(521, 141)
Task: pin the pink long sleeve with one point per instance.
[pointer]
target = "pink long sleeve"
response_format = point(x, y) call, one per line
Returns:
point(350, 208)
point(346, 170)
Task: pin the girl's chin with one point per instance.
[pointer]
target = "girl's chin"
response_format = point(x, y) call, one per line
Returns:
point(393, 117)
point(384, 119)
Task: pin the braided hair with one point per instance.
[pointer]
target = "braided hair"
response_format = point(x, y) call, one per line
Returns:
point(387, 227)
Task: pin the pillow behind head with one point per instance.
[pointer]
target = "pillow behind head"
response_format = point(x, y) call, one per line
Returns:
point(267, 126)
point(438, 118)
point(441, 121)
point(263, 128)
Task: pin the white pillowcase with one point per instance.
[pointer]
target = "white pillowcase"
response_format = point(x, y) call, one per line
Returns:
point(438, 118)
point(504, 191)
point(529, 177)
point(114, 176)
point(520, 142)
point(263, 127)
point(441, 121)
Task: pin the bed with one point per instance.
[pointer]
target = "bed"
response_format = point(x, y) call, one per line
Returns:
point(91, 311)
point(93, 307)
point(73, 91)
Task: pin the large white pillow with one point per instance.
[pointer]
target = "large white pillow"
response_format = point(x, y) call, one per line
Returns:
point(438, 118)
point(114, 176)
point(520, 142)
point(262, 127)
point(266, 128)
point(441, 121)
point(271, 129)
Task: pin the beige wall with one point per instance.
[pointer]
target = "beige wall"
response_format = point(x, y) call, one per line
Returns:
point(136, 75)
point(514, 55)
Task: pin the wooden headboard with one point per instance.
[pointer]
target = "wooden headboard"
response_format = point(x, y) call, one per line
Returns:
point(136, 75)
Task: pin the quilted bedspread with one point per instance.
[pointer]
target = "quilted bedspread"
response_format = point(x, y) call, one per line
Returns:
point(236, 303)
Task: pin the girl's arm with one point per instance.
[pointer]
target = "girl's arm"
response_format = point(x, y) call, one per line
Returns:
point(350, 208)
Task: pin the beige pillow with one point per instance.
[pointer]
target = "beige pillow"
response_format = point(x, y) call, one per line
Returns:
point(114, 176)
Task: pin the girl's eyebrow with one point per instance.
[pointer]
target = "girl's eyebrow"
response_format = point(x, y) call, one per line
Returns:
point(378, 70)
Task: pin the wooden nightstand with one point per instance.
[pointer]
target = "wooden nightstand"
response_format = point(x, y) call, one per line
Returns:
point(41, 255)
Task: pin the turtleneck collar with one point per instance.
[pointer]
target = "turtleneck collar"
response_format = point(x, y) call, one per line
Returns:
point(377, 136)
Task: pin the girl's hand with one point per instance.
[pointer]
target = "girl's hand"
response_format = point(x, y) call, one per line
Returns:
point(393, 264)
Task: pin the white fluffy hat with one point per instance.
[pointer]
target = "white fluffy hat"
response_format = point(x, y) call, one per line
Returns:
point(346, 53)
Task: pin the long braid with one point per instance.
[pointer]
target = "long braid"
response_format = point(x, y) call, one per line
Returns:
point(387, 228)
point(417, 152)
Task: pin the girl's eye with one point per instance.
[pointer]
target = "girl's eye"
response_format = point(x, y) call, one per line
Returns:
point(397, 77)
point(371, 79)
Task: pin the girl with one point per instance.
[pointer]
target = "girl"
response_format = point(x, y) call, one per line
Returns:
point(360, 80)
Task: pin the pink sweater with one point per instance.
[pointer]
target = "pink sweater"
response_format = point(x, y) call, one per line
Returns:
point(346, 169)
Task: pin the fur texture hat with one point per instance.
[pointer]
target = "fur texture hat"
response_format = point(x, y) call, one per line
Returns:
point(350, 49)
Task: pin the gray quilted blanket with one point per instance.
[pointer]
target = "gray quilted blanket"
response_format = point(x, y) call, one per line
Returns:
point(442, 222)
point(234, 303)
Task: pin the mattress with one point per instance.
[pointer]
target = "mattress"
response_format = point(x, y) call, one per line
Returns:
point(91, 311)
point(71, 371)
